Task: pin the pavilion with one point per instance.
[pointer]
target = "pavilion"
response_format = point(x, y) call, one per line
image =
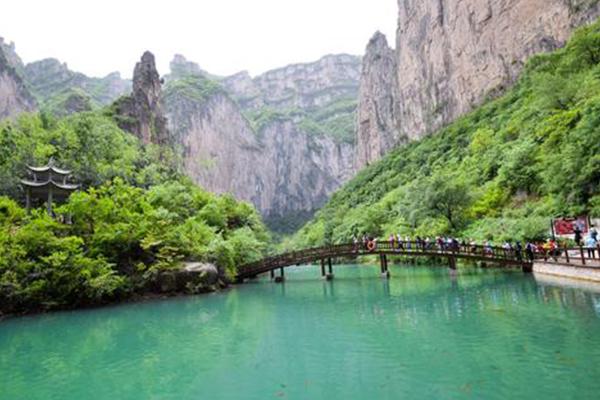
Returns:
point(48, 183)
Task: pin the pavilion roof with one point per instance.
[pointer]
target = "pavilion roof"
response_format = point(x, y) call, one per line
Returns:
point(49, 167)
point(50, 182)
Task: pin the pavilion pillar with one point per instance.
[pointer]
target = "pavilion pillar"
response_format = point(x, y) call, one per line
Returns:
point(28, 199)
point(50, 200)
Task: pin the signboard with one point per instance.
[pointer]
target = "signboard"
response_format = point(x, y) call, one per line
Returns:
point(566, 226)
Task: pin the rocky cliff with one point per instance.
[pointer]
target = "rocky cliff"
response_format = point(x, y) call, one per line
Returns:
point(14, 96)
point(378, 127)
point(259, 139)
point(141, 113)
point(303, 86)
point(452, 55)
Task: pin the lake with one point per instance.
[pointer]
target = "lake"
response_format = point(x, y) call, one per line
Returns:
point(425, 333)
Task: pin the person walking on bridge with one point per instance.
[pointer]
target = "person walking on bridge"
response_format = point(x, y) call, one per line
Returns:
point(419, 242)
point(530, 250)
point(591, 244)
point(519, 251)
point(400, 244)
point(578, 236)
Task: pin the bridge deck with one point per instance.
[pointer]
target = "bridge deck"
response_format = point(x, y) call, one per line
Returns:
point(493, 255)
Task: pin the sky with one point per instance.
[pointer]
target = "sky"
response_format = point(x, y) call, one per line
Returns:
point(97, 37)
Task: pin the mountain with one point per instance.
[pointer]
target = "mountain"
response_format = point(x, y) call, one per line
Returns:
point(62, 91)
point(15, 98)
point(500, 172)
point(281, 140)
point(450, 57)
point(50, 86)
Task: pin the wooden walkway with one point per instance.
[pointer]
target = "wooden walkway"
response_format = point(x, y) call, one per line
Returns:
point(492, 255)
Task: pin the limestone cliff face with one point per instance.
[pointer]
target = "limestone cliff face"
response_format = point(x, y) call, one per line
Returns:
point(281, 170)
point(300, 171)
point(378, 127)
point(452, 55)
point(219, 147)
point(141, 113)
point(299, 85)
point(14, 96)
point(276, 163)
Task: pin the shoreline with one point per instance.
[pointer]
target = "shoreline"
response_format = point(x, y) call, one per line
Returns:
point(579, 272)
point(136, 299)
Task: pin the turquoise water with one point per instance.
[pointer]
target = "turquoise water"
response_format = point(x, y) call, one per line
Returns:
point(424, 334)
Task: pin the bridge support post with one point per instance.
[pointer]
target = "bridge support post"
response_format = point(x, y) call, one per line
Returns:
point(329, 275)
point(384, 266)
point(272, 274)
point(323, 267)
point(527, 268)
point(281, 277)
point(452, 262)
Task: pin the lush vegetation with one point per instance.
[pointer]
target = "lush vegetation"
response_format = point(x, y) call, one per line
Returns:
point(498, 173)
point(136, 218)
point(89, 143)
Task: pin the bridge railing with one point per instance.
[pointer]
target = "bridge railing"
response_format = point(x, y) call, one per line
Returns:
point(581, 255)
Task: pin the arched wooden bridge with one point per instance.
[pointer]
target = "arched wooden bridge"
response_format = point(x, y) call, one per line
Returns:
point(492, 255)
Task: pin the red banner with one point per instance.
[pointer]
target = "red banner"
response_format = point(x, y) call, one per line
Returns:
point(566, 226)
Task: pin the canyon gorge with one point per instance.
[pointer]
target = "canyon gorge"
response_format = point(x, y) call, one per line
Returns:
point(285, 140)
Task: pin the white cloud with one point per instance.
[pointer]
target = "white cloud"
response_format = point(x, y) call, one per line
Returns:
point(223, 36)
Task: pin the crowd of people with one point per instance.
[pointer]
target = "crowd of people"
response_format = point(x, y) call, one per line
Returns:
point(530, 250)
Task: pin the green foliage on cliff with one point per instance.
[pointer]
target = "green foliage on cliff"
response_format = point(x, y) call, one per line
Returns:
point(60, 91)
point(137, 216)
point(69, 101)
point(500, 172)
point(336, 120)
point(193, 87)
point(261, 118)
